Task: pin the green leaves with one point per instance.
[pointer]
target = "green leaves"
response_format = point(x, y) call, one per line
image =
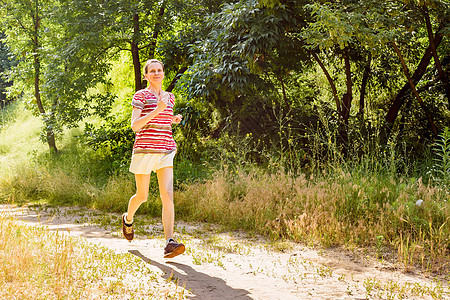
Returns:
point(244, 40)
point(343, 25)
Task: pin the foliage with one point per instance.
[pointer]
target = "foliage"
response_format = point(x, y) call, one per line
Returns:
point(244, 37)
point(255, 51)
point(100, 30)
point(240, 67)
point(23, 23)
point(442, 159)
point(115, 140)
point(7, 62)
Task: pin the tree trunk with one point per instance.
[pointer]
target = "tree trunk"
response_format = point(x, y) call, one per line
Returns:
point(346, 105)
point(413, 88)
point(138, 85)
point(348, 96)
point(37, 93)
point(418, 73)
point(442, 74)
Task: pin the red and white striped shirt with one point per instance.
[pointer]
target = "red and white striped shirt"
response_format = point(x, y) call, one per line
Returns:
point(156, 135)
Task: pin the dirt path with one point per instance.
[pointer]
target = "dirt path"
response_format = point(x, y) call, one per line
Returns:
point(220, 265)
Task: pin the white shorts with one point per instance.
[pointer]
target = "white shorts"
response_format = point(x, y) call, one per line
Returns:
point(147, 163)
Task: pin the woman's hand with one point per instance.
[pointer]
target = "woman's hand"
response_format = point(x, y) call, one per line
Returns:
point(165, 97)
point(138, 120)
point(161, 105)
point(177, 119)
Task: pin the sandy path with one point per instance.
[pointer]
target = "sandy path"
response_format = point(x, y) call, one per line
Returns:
point(228, 266)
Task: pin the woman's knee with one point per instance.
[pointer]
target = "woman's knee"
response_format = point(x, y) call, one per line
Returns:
point(166, 192)
point(166, 196)
point(140, 198)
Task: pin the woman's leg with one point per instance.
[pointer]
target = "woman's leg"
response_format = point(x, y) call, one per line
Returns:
point(142, 185)
point(165, 181)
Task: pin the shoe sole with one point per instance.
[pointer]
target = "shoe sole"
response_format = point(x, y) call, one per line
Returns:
point(175, 252)
point(123, 224)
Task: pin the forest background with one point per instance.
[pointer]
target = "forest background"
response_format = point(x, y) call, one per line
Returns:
point(322, 122)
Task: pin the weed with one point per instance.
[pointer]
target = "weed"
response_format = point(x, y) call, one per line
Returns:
point(442, 159)
point(324, 271)
point(379, 245)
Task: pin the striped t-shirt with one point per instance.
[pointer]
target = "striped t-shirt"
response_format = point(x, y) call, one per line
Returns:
point(156, 135)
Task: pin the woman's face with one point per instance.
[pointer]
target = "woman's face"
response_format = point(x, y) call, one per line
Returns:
point(155, 73)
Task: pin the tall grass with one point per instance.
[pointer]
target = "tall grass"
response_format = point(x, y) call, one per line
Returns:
point(344, 210)
point(375, 199)
point(442, 159)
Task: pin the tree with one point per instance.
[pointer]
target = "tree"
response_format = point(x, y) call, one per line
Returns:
point(113, 26)
point(243, 60)
point(373, 28)
point(145, 29)
point(260, 45)
point(255, 49)
point(349, 30)
point(175, 47)
point(419, 16)
point(24, 22)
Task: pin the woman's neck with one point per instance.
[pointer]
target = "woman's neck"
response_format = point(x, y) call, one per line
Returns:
point(155, 90)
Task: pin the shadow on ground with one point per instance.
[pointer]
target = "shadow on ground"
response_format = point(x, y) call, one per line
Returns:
point(201, 285)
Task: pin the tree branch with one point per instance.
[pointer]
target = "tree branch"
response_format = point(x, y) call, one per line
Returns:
point(441, 73)
point(347, 99)
point(418, 74)
point(364, 81)
point(413, 88)
point(330, 81)
point(157, 29)
point(175, 79)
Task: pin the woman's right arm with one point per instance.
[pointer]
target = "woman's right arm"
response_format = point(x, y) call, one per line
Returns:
point(138, 120)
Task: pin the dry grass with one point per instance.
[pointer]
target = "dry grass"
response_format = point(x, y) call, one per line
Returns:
point(340, 211)
point(38, 264)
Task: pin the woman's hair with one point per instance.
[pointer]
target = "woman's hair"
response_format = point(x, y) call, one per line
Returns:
point(151, 61)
